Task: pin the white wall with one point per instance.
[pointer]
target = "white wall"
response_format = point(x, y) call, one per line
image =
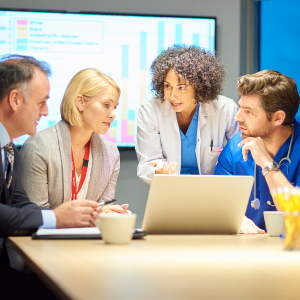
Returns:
point(230, 46)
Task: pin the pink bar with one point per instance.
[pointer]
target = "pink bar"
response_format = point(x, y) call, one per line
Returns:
point(107, 137)
point(22, 22)
point(126, 138)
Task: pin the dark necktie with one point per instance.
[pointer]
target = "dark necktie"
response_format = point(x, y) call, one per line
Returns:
point(10, 163)
point(16, 261)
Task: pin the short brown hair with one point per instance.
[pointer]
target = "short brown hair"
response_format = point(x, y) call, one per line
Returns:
point(276, 91)
point(88, 83)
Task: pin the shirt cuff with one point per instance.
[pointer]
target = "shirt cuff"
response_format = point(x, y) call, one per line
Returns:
point(49, 219)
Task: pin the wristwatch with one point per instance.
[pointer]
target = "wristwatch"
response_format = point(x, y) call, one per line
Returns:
point(271, 166)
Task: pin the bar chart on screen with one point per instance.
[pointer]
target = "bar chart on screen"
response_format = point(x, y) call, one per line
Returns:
point(121, 46)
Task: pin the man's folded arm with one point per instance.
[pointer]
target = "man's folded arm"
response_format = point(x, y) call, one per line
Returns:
point(19, 221)
point(23, 217)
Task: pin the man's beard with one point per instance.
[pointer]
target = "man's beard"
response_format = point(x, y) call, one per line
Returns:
point(265, 133)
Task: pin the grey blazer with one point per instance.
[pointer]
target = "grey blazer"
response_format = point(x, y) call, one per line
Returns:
point(46, 167)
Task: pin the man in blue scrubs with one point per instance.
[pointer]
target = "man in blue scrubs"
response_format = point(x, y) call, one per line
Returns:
point(269, 142)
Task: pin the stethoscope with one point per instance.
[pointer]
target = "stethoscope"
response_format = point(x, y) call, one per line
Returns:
point(256, 202)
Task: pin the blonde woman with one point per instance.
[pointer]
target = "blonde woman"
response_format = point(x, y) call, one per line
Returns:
point(71, 160)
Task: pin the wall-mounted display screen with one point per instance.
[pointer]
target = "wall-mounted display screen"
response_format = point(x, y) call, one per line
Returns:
point(279, 38)
point(121, 46)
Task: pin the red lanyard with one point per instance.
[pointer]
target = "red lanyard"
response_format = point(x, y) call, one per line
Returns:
point(83, 171)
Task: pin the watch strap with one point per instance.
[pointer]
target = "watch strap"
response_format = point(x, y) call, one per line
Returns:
point(271, 166)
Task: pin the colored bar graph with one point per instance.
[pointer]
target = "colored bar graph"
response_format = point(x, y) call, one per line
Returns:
point(143, 57)
point(143, 51)
point(126, 136)
point(22, 41)
point(21, 47)
point(125, 60)
point(211, 36)
point(22, 28)
point(131, 115)
point(130, 122)
point(196, 40)
point(111, 133)
point(21, 139)
point(124, 80)
point(178, 34)
point(21, 33)
point(130, 129)
point(51, 123)
point(22, 22)
point(161, 36)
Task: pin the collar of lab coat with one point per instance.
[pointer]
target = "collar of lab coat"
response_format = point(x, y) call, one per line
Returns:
point(205, 109)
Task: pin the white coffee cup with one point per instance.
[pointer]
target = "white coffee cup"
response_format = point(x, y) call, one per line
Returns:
point(274, 222)
point(117, 228)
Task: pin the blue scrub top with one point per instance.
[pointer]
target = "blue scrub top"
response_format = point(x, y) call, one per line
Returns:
point(189, 163)
point(231, 163)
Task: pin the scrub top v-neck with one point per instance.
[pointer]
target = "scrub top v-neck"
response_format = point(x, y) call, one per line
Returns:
point(189, 163)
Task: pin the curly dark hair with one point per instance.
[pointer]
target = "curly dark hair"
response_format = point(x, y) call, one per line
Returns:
point(199, 67)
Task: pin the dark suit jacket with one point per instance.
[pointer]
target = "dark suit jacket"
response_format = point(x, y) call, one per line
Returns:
point(18, 216)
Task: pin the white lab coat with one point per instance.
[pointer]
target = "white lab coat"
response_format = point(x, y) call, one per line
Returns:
point(158, 136)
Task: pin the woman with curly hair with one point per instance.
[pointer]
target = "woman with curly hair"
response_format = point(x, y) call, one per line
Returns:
point(181, 130)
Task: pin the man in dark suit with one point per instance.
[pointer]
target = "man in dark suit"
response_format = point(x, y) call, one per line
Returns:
point(24, 90)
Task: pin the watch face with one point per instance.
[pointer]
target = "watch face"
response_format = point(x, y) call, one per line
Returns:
point(272, 166)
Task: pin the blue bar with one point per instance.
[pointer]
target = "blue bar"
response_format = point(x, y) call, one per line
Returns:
point(21, 47)
point(114, 123)
point(131, 115)
point(211, 37)
point(161, 36)
point(178, 34)
point(22, 41)
point(124, 61)
point(143, 53)
point(196, 40)
point(51, 123)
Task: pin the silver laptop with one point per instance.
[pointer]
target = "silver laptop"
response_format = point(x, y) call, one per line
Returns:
point(190, 204)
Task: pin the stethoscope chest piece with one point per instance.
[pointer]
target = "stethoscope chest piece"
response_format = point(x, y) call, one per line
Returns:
point(255, 204)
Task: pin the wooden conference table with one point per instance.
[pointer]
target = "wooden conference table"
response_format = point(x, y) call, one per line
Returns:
point(166, 267)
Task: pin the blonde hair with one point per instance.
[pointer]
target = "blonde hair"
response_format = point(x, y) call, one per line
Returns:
point(88, 83)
